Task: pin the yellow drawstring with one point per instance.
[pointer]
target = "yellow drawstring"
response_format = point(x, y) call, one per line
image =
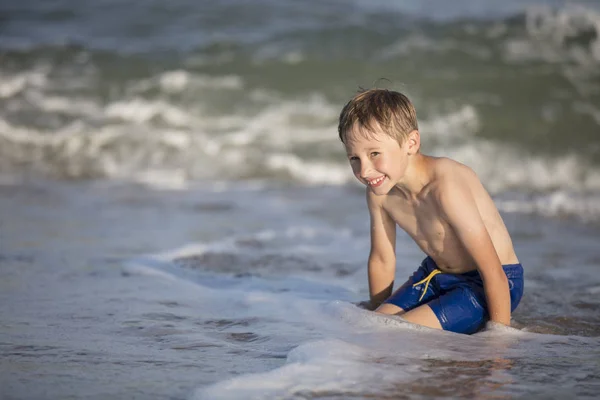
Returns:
point(426, 281)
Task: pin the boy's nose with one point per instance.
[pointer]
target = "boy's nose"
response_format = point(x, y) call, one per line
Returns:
point(365, 170)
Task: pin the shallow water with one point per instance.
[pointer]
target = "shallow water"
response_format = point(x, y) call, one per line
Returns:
point(247, 291)
point(178, 219)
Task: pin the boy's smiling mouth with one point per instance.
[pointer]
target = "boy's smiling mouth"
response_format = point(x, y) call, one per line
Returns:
point(376, 182)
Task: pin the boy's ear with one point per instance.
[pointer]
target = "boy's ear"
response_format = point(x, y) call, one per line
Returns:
point(413, 143)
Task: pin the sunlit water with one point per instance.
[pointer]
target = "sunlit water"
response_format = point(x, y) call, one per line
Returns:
point(247, 291)
point(178, 219)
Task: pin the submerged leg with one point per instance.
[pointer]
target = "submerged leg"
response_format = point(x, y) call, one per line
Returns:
point(423, 315)
point(389, 309)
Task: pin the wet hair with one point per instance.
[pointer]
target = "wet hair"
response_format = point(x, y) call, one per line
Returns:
point(389, 110)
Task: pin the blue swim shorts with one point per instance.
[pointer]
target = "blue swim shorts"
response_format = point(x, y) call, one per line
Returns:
point(458, 300)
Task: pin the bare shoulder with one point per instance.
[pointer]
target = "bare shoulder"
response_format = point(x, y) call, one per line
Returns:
point(452, 180)
point(447, 169)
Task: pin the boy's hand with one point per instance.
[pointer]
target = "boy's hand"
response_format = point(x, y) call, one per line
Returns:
point(366, 305)
point(495, 324)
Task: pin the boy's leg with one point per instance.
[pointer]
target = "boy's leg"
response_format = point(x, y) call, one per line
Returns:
point(389, 309)
point(407, 296)
point(422, 315)
point(460, 310)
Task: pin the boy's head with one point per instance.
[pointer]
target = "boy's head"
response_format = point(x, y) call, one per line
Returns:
point(376, 110)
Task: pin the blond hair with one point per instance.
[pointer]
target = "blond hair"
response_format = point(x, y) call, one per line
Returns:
point(391, 110)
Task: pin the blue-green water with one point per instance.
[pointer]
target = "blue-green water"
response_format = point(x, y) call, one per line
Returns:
point(178, 220)
point(184, 91)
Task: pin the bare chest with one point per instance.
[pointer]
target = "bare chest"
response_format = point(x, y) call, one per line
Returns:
point(424, 224)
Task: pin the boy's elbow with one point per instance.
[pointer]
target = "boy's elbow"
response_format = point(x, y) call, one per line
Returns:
point(379, 262)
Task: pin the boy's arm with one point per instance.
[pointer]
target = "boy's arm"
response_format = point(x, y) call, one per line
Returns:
point(459, 207)
point(382, 257)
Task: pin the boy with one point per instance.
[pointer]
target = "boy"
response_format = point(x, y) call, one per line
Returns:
point(471, 272)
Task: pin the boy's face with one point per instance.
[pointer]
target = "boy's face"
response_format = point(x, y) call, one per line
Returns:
point(377, 160)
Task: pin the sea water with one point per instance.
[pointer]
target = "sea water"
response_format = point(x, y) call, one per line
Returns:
point(178, 220)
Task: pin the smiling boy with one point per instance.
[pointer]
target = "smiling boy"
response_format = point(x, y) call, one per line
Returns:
point(471, 273)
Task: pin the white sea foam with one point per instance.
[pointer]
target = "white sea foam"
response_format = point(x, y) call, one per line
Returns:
point(286, 122)
point(310, 241)
point(139, 110)
point(160, 179)
point(364, 320)
point(13, 84)
point(326, 366)
point(178, 81)
point(348, 360)
point(295, 379)
point(503, 167)
point(331, 364)
point(593, 290)
point(168, 144)
point(310, 172)
point(71, 105)
point(106, 147)
point(338, 348)
point(460, 124)
point(556, 203)
point(550, 33)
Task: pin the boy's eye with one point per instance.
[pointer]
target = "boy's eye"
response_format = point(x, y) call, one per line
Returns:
point(352, 158)
point(375, 153)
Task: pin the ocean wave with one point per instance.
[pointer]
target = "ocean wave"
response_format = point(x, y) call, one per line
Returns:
point(559, 203)
point(283, 139)
point(513, 95)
